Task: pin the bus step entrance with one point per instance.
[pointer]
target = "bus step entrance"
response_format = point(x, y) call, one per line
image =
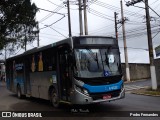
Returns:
point(28, 95)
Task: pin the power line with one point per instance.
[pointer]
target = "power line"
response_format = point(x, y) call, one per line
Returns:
point(59, 28)
point(156, 6)
point(91, 2)
point(51, 14)
point(55, 4)
point(51, 11)
point(60, 6)
point(102, 28)
point(91, 9)
point(99, 14)
point(134, 23)
point(52, 23)
point(154, 2)
point(137, 29)
point(140, 31)
point(56, 31)
point(114, 8)
point(152, 10)
point(138, 34)
point(155, 35)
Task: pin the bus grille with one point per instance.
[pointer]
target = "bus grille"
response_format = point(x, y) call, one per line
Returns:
point(97, 96)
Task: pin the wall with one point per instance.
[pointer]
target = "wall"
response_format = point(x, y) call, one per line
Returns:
point(157, 66)
point(138, 71)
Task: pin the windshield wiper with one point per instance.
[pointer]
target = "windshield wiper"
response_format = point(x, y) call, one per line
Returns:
point(106, 59)
point(97, 60)
point(93, 56)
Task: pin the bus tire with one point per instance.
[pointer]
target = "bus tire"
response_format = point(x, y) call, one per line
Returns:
point(19, 93)
point(54, 99)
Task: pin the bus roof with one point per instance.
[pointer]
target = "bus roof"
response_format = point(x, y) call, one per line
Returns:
point(67, 40)
point(37, 49)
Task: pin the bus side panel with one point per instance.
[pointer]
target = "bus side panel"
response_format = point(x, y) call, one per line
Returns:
point(34, 80)
point(19, 81)
point(40, 83)
point(18, 75)
point(11, 77)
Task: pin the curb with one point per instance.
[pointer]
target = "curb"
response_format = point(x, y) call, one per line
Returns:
point(146, 94)
point(126, 82)
point(142, 92)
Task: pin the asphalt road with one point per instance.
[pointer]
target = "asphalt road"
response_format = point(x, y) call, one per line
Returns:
point(117, 109)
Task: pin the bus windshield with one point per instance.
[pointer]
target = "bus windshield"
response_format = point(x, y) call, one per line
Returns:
point(92, 63)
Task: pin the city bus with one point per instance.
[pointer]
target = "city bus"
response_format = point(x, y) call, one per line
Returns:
point(77, 70)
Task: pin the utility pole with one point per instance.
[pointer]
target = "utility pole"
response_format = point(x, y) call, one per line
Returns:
point(116, 30)
point(5, 59)
point(38, 37)
point(69, 19)
point(85, 18)
point(150, 45)
point(38, 40)
point(80, 18)
point(25, 43)
point(125, 45)
point(25, 39)
point(5, 50)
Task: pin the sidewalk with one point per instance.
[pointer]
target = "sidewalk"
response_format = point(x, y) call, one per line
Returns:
point(147, 92)
point(141, 87)
point(134, 81)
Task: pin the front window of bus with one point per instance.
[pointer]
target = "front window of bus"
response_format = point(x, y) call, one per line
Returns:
point(91, 63)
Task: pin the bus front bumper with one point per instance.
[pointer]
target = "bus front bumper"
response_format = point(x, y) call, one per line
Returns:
point(79, 98)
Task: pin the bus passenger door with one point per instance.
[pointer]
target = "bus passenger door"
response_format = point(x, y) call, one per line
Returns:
point(64, 74)
point(27, 77)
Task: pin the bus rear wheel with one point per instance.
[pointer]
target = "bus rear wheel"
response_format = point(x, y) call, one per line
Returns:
point(54, 98)
point(19, 94)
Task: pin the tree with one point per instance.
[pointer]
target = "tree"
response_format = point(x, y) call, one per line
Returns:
point(17, 23)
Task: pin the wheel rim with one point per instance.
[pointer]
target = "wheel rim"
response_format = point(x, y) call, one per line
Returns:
point(55, 101)
point(19, 93)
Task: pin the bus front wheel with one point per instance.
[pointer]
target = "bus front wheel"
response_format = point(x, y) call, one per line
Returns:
point(54, 98)
point(19, 94)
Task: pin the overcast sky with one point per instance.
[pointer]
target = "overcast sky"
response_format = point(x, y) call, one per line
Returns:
point(100, 22)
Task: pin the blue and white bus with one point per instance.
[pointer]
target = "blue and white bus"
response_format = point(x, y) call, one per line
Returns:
point(77, 70)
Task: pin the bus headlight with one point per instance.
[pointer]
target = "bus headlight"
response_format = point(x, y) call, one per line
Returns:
point(77, 88)
point(85, 92)
point(122, 86)
point(81, 90)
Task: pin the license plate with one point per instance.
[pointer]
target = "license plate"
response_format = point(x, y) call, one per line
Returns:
point(106, 97)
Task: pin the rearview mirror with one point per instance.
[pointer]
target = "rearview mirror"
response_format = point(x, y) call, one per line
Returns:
point(111, 58)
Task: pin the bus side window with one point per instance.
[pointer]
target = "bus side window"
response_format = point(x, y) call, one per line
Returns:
point(54, 63)
point(32, 63)
point(49, 61)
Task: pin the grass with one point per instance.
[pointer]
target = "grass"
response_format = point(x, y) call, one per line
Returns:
point(147, 91)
